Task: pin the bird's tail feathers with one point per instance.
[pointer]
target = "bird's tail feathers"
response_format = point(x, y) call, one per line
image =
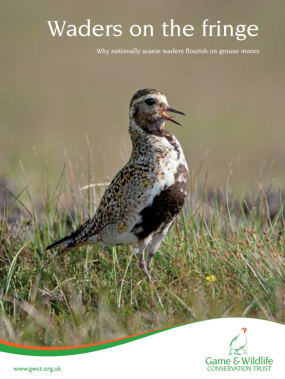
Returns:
point(66, 243)
point(74, 239)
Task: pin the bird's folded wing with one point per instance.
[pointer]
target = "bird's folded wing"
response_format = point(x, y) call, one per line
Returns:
point(126, 196)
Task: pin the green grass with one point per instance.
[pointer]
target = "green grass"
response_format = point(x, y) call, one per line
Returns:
point(217, 261)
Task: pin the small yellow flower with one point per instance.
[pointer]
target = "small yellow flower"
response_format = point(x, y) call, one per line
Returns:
point(211, 278)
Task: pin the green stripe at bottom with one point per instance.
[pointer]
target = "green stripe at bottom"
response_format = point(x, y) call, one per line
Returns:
point(79, 350)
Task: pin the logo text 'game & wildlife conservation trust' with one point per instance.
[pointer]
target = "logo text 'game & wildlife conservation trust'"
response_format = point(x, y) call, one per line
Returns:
point(238, 359)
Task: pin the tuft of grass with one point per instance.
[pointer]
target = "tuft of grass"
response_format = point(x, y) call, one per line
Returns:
point(222, 258)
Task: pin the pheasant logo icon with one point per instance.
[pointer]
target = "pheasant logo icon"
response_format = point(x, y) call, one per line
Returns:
point(238, 345)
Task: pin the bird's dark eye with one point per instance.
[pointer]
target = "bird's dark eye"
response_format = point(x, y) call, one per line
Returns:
point(149, 101)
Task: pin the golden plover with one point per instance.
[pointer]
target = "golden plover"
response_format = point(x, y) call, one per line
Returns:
point(145, 197)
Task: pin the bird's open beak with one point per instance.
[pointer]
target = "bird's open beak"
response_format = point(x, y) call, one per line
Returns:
point(166, 117)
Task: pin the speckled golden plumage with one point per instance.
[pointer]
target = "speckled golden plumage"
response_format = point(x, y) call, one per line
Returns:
point(144, 198)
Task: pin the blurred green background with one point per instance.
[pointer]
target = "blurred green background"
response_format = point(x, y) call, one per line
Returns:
point(57, 93)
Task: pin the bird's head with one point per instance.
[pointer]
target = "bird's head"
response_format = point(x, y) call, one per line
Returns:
point(244, 330)
point(148, 110)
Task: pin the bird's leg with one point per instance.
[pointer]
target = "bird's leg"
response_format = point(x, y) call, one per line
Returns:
point(149, 259)
point(154, 245)
point(144, 266)
point(142, 262)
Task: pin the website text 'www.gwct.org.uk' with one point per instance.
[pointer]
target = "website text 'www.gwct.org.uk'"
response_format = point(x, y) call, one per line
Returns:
point(36, 369)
